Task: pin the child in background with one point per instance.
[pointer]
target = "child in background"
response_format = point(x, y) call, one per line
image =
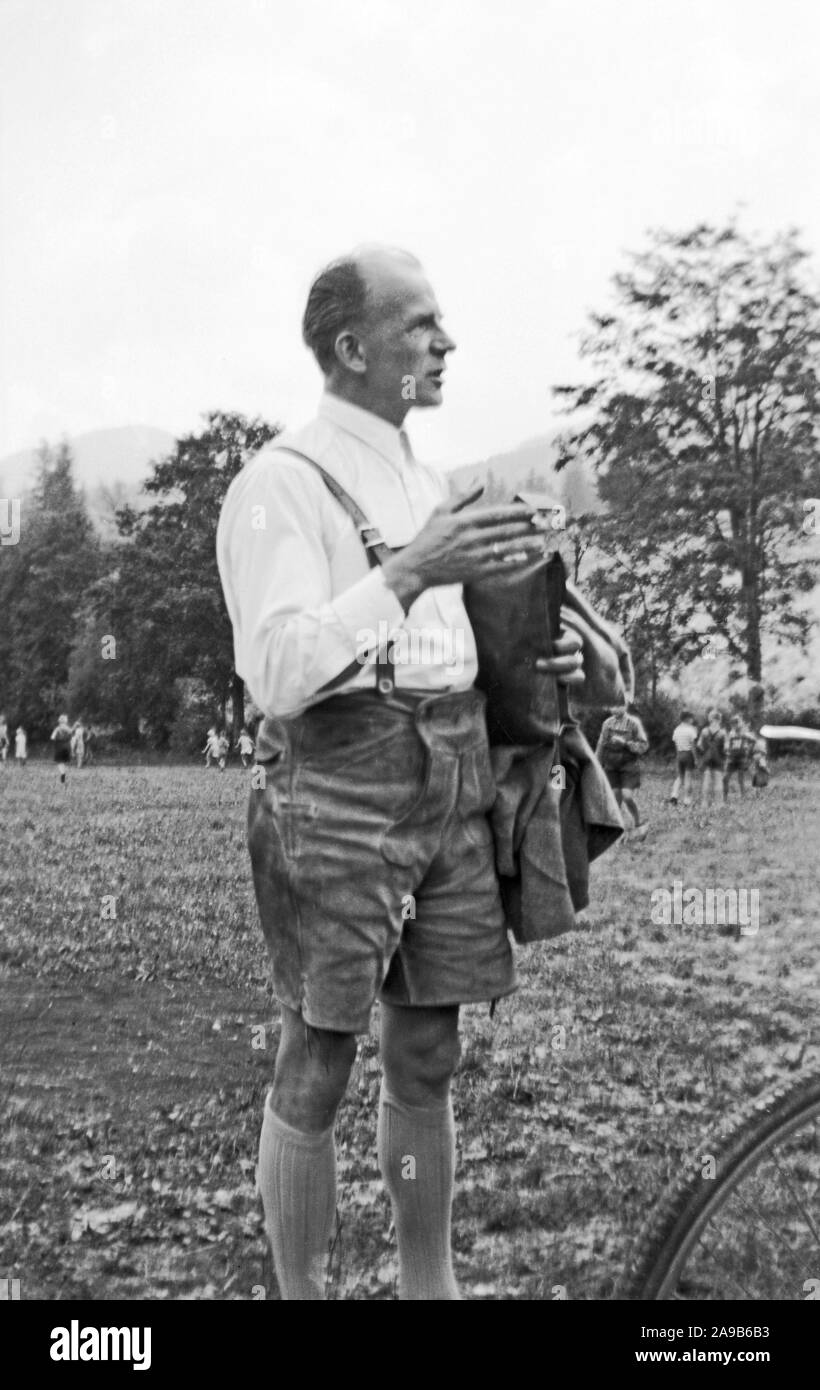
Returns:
point(711, 749)
point(78, 742)
point(760, 763)
point(223, 748)
point(20, 745)
point(622, 742)
point(211, 749)
point(61, 737)
point(246, 747)
point(684, 737)
point(739, 745)
point(4, 738)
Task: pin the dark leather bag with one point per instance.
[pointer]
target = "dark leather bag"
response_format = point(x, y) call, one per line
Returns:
point(516, 620)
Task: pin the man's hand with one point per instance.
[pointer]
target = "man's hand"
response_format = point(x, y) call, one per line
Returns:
point(567, 665)
point(461, 543)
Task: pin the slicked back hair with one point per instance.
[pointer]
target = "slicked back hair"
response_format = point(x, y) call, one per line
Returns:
point(336, 300)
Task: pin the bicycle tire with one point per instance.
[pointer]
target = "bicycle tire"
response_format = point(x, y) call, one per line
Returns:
point(689, 1202)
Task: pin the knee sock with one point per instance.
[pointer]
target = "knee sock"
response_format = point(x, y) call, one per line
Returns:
point(417, 1154)
point(296, 1179)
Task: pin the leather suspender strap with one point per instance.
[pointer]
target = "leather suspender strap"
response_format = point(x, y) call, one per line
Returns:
point(377, 553)
point(556, 597)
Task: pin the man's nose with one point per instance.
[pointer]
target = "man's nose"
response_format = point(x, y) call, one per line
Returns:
point(443, 343)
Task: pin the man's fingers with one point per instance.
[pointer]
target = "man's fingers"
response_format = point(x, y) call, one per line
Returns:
point(569, 643)
point(560, 665)
point(506, 531)
point(498, 516)
point(465, 499)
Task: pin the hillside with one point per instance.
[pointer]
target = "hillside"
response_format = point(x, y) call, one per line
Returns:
point(110, 465)
point(532, 465)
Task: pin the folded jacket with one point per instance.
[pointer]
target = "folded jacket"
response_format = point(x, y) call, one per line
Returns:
point(546, 837)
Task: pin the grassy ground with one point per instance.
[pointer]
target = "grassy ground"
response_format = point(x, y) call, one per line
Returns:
point(136, 1048)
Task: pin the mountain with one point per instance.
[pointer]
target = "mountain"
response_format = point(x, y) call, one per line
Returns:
point(531, 466)
point(110, 465)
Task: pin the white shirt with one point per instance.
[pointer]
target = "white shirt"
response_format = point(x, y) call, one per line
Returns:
point(685, 737)
point(300, 594)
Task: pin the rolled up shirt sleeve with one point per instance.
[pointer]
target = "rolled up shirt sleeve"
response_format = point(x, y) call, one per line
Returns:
point(275, 545)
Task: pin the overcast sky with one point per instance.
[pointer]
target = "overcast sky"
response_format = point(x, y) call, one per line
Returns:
point(174, 171)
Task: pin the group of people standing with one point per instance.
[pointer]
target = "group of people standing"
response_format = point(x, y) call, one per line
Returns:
point(721, 751)
point(71, 741)
point(218, 746)
point(20, 742)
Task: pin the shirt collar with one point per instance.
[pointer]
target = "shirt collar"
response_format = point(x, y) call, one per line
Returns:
point(385, 438)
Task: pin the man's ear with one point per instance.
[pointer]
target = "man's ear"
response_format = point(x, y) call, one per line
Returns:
point(350, 352)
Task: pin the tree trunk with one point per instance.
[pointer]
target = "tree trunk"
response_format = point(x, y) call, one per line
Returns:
point(754, 658)
point(237, 705)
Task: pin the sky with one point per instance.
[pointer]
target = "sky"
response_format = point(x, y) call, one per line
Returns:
point(174, 172)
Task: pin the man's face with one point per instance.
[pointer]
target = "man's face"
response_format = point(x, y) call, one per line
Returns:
point(403, 340)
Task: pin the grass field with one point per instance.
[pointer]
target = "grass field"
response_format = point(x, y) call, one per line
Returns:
point(136, 1048)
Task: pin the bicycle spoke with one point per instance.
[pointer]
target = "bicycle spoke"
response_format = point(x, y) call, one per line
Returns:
point(796, 1199)
point(750, 1211)
point(760, 1226)
point(731, 1276)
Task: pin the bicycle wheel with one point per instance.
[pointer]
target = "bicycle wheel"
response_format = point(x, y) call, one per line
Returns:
point(743, 1222)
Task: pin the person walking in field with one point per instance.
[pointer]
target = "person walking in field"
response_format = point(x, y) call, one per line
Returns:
point(20, 746)
point(245, 746)
point(61, 738)
point(684, 737)
point(711, 751)
point(211, 749)
point(621, 744)
point(740, 743)
point(78, 743)
point(760, 763)
point(223, 748)
point(4, 738)
point(393, 772)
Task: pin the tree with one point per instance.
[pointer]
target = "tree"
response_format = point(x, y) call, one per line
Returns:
point(701, 422)
point(162, 601)
point(43, 580)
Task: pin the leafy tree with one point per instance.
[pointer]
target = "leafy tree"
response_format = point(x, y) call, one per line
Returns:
point(43, 580)
point(162, 600)
point(701, 421)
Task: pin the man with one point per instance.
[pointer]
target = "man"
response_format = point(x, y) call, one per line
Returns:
point(621, 743)
point(370, 846)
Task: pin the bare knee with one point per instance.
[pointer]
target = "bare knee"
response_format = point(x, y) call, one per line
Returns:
point(420, 1052)
point(312, 1071)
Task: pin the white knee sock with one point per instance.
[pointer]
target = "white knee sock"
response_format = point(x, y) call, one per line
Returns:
point(296, 1179)
point(417, 1153)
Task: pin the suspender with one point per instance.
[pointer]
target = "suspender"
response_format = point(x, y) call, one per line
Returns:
point(556, 580)
point(377, 553)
